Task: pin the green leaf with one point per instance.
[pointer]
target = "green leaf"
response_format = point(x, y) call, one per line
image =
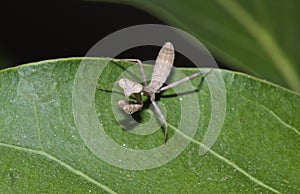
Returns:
point(43, 149)
point(258, 36)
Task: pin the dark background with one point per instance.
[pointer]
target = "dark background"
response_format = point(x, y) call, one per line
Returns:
point(37, 30)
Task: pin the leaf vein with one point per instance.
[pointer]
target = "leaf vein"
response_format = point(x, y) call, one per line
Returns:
point(64, 164)
point(275, 115)
point(222, 158)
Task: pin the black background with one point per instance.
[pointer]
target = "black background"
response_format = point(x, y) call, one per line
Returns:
point(38, 30)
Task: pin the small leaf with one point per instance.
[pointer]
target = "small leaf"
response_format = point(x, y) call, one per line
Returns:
point(43, 150)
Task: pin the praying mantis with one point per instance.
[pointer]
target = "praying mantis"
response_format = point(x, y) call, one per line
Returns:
point(162, 68)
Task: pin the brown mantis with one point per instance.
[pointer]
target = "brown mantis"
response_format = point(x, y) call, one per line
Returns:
point(161, 71)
